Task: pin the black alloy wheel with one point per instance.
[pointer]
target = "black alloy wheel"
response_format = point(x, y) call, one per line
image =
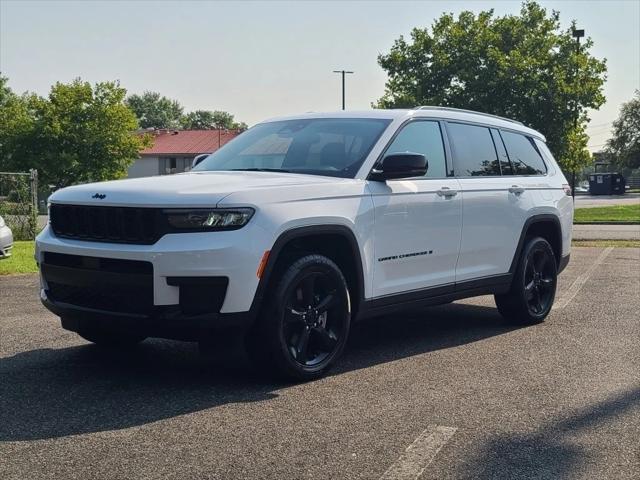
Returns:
point(304, 325)
point(533, 287)
point(540, 281)
point(314, 320)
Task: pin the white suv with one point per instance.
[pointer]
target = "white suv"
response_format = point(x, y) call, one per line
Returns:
point(302, 225)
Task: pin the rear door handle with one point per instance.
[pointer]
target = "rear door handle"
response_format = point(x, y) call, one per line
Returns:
point(447, 192)
point(517, 189)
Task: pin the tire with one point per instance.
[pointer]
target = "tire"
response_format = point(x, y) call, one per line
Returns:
point(303, 327)
point(110, 339)
point(533, 287)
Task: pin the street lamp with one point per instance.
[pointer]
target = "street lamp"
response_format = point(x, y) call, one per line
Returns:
point(577, 34)
point(343, 72)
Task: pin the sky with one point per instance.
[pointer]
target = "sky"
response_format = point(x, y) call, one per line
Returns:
point(260, 59)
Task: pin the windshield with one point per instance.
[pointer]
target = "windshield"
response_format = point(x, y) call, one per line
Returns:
point(321, 146)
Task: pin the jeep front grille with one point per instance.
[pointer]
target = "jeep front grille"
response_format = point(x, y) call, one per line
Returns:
point(106, 224)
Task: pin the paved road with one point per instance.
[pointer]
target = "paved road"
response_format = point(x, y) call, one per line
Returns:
point(472, 397)
point(587, 201)
point(606, 232)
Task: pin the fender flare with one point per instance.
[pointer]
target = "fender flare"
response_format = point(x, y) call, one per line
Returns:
point(304, 231)
point(543, 217)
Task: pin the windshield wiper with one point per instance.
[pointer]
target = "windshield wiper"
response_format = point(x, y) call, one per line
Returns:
point(260, 170)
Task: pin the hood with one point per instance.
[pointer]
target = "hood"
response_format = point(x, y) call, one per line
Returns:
point(193, 189)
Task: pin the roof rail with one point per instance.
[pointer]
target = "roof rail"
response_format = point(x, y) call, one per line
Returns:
point(451, 109)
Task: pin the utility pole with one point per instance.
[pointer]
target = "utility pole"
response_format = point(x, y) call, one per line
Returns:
point(343, 72)
point(577, 34)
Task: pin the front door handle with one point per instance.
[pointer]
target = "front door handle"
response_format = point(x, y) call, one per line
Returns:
point(447, 192)
point(517, 189)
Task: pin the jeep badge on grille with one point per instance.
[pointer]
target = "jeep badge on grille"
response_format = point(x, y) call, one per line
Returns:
point(99, 195)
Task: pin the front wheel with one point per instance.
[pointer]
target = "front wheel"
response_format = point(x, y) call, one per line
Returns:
point(304, 325)
point(533, 288)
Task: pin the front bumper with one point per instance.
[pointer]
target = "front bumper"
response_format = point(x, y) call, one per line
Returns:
point(6, 242)
point(233, 255)
point(163, 322)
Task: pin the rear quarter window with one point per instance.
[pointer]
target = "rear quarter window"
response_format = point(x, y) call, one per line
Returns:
point(524, 156)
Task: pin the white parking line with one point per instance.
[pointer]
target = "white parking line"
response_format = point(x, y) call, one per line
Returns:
point(581, 280)
point(419, 454)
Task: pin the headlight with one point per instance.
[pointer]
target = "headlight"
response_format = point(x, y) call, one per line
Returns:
point(204, 220)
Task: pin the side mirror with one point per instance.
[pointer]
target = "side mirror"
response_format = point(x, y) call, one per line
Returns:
point(400, 165)
point(199, 158)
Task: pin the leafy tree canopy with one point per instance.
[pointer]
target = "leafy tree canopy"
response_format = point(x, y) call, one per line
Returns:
point(576, 156)
point(624, 145)
point(155, 111)
point(15, 120)
point(209, 120)
point(80, 133)
point(518, 66)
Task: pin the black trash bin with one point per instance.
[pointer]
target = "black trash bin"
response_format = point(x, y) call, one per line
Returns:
point(606, 184)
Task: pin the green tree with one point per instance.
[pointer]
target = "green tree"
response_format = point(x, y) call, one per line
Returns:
point(624, 145)
point(198, 120)
point(80, 133)
point(577, 156)
point(519, 66)
point(210, 120)
point(155, 111)
point(16, 122)
point(240, 126)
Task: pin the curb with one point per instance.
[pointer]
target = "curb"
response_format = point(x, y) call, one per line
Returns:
point(607, 223)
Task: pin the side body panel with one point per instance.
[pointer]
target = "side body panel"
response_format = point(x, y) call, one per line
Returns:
point(492, 220)
point(416, 232)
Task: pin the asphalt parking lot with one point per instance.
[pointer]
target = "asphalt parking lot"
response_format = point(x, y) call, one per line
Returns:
point(446, 393)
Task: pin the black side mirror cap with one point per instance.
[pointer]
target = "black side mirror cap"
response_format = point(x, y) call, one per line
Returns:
point(400, 165)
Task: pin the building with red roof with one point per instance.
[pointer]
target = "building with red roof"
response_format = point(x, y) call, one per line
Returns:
point(173, 151)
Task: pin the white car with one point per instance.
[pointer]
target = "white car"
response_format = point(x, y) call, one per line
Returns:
point(6, 239)
point(305, 224)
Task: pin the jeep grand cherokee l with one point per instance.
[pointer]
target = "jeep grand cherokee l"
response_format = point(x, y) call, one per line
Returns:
point(302, 225)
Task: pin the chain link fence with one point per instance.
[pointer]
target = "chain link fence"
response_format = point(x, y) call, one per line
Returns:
point(19, 203)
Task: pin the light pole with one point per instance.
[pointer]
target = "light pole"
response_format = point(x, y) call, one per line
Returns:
point(577, 34)
point(220, 135)
point(343, 72)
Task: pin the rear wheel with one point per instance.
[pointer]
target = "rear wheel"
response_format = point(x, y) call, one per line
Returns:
point(533, 288)
point(110, 339)
point(304, 325)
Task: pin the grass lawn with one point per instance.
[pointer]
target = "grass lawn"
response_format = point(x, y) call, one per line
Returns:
point(20, 261)
point(611, 214)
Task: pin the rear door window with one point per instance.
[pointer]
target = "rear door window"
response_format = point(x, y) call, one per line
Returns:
point(524, 156)
point(474, 151)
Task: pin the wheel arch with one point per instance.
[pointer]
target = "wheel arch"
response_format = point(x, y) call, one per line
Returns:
point(546, 226)
point(337, 242)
